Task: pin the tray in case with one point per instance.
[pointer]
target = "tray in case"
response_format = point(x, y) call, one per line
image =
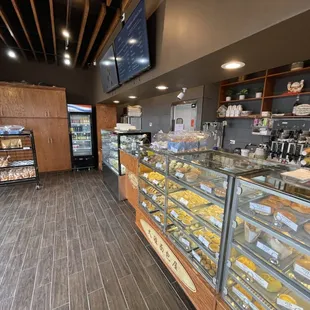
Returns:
point(182, 218)
point(299, 274)
point(188, 199)
point(256, 281)
point(159, 218)
point(263, 250)
point(182, 240)
point(204, 262)
point(212, 214)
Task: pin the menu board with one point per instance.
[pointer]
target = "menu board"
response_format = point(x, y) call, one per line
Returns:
point(131, 46)
point(108, 71)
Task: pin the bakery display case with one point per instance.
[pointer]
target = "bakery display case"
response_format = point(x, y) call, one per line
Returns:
point(113, 171)
point(189, 196)
point(268, 253)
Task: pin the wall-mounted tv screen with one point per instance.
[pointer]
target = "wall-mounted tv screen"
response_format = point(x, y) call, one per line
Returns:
point(131, 46)
point(108, 71)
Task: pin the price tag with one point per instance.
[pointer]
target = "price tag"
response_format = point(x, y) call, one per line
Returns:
point(26, 148)
point(174, 214)
point(179, 175)
point(144, 190)
point(206, 188)
point(145, 175)
point(281, 218)
point(196, 256)
point(144, 204)
point(159, 165)
point(155, 182)
point(288, 305)
point(260, 208)
point(267, 250)
point(204, 241)
point(185, 241)
point(252, 274)
point(244, 298)
point(154, 197)
point(157, 218)
point(183, 201)
point(216, 222)
point(302, 271)
point(145, 158)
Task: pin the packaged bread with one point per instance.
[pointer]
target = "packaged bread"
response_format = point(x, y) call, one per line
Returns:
point(251, 233)
point(282, 249)
point(274, 285)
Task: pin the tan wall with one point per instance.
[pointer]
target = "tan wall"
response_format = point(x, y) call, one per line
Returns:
point(187, 30)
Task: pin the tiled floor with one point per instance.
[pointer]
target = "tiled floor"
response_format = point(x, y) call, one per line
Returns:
point(71, 246)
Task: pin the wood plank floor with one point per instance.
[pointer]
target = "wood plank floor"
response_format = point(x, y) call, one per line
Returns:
point(70, 245)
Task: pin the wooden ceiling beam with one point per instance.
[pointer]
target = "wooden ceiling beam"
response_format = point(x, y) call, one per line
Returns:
point(8, 26)
point(34, 11)
point(109, 2)
point(3, 39)
point(53, 28)
point(17, 11)
point(99, 22)
point(125, 4)
point(113, 25)
point(82, 29)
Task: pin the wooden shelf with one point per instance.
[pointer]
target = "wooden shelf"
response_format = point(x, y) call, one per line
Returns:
point(240, 100)
point(287, 95)
point(261, 78)
point(252, 116)
point(287, 73)
point(291, 116)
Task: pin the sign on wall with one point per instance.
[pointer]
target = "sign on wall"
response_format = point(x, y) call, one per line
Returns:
point(163, 250)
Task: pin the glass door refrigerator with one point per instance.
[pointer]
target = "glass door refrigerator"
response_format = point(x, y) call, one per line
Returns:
point(81, 136)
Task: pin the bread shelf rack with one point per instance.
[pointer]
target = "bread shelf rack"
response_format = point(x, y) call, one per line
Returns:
point(22, 166)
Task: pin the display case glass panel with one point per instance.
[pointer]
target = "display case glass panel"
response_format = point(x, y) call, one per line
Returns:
point(270, 250)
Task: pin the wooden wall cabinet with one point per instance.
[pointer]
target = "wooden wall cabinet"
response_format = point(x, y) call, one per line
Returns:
point(106, 119)
point(44, 110)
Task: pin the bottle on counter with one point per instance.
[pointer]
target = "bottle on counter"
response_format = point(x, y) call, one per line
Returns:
point(296, 104)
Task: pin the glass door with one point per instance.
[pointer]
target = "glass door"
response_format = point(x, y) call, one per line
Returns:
point(81, 134)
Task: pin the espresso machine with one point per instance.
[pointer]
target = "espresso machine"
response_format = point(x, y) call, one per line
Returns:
point(288, 140)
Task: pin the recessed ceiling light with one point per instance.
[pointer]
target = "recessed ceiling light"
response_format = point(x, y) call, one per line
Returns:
point(116, 101)
point(132, 97)
point(162, 87)
point(67, 55)
point(11, 54)
point(66, 33)
point(132, 41)
point(233, 65)
point(67, 62)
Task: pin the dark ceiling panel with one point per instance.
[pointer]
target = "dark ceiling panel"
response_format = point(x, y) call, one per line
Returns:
point(24, 28)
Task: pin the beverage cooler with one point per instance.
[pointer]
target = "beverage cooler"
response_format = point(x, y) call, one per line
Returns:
point(81, 136)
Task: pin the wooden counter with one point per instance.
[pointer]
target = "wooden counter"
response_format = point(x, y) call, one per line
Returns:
point(131, 178)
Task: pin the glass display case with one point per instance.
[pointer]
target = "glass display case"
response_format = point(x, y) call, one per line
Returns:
point(268, 254)
point(189, 197)
point(113, 141)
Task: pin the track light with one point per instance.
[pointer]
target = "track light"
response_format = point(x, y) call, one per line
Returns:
point(11, 54)
point(67, 62)
point(67, 55)
point(66, 33)
point(181, 95)
point(235, 64)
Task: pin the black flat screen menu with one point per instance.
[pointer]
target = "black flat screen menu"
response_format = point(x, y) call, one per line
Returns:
point(131, 46)
point(108, 71)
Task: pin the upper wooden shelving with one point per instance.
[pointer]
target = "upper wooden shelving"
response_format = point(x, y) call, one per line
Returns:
point(240, 100)
point(287, 73)
point(261, 78)
point(287, 95)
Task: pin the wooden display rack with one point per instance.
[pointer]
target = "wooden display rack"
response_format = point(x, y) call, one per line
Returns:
point(266, 80)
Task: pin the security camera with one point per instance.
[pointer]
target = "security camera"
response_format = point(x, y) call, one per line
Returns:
point(181, 95)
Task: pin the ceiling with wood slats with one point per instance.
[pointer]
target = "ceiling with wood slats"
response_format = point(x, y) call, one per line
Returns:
point(33, 28)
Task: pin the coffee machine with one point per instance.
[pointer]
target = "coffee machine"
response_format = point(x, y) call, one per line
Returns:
point(288, 140)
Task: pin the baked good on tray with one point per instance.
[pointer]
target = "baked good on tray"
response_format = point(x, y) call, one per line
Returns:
point(300, 208)
point(191, 176)
point(243, 291)
point(248, 263)
point(288, 299)
point(274, 285)
point(307, 227)
point(220, 192)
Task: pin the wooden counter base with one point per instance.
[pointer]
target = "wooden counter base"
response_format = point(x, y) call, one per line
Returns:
point(201, 294)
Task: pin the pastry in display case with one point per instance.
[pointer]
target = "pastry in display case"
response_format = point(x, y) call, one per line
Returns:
point(270, 250)
point(194, 193)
